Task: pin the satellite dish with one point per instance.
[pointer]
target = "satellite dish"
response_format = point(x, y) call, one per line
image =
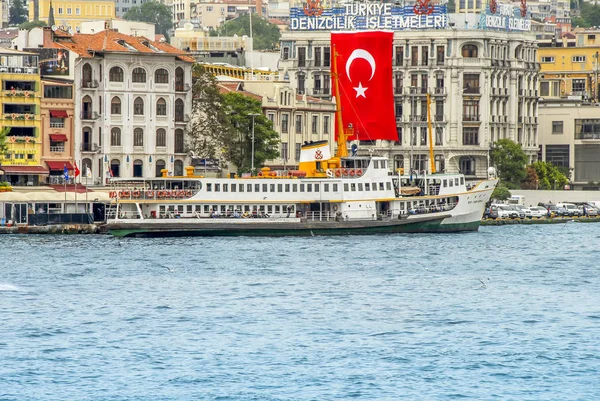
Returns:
point(188, 26)
point(54, 28)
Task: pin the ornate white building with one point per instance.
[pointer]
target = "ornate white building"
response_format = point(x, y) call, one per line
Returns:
point(483, 86)
point(133, 99)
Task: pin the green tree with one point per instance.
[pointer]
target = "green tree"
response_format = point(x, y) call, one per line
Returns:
point(550, 176)
point(265, 36)
point(501, 192)
point(17, 13)
point(239, 109)
point(152, 12)
point(510, 161)
point(32, 24)
point(209, 129)
point(531, 180)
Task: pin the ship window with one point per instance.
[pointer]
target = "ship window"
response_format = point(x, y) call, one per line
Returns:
point(189, 208)
point(206, 209)
point(198, 208)
point(225, 187)
point(450, 182)
point(217, 187)
point(249, 188)
point(241, 188)
point(287, 187)
point(381, 186)
point(360, 187)
point(301, 187)
point(246, 208)
point(335, 187)
point(445, 183)
point(272, 188)
point(279, 187)
point(180, 209)
point(265, 189)
point(388, 186)
point(353, 187)
point(375, 163)
point(269, 209)
point(233, 187)
point(256, 187)
point(326, 187)
point(383, 164)
point(316, 187)
point(294, 187)
point(462, 180)
point(346, 187)
point(456, 181)
point(209, 187)
point(277, 209)
point(367, 186)
point(308, 187)
point(223, 209)
point(261, 208)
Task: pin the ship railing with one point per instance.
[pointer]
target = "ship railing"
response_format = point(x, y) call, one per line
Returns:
point(321, 216)
point(438, 208)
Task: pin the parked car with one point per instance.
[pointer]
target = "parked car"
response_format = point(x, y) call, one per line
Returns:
point(520, 212)
point(589, 210)
point(537, 212)
point(555, 211)
point(571, 209)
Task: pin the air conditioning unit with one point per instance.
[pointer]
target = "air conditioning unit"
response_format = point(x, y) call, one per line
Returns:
point(96, 115)
point(90, 84)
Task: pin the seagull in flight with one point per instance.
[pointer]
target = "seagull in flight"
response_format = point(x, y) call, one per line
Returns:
point(168, 268)
point(482, 283)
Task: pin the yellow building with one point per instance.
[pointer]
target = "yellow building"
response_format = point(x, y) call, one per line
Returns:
point(20, 98)
point(570, 68)
point(70, 14)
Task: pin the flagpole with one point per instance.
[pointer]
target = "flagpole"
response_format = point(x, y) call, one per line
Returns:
point(76, 204)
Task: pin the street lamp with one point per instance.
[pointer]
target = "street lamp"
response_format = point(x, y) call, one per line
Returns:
point(252, 153)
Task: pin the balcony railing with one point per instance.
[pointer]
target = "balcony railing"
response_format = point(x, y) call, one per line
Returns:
point(89, 83)
point(89, 115)
point(398, 90)
point(89, 147)
point(57, 125)
point(321, 91)
point(439, 91)
point(182, 87)
point(471, 117)
point(57, 148)
point(18, 70)
point(471, 90)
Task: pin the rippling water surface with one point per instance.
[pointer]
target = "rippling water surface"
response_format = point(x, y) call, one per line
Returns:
point(370, 318)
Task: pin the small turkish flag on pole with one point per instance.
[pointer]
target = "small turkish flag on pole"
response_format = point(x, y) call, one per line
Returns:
point(77, 172)
point(364, 64)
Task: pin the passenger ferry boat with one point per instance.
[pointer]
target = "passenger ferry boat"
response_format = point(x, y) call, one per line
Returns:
point(326, 196)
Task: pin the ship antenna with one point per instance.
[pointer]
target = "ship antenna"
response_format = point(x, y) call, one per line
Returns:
point(342, 146)
point(430, 129)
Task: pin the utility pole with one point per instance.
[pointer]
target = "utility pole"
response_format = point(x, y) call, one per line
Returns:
point(252, 155)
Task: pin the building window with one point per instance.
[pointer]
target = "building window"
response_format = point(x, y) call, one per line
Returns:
point(557, 127)
point(179, 110)
point(469, 51)
point(298, 123)
point(440, 55)
point(179, 141)
point(558, 155)
point(58, 92)
point(138, 75)
point(302, 57)
point(286, 53)
point(467, 165)
point(470, 136)
point(315, 124)
point(471, 83)
point(115, 137)
point(325, 124)
point(398, 161)
point(284, 151)
point(578, 59)
point(161, 138)
point(440, 164)
point(138, 168)
point(297, 151)
point(161, 76)
point(115, 106)
point(115, 74)
point(548, 59)
point(161, 107)
point(77, 11)
point(587, 129)
point(115, 168)
point(284, 123)
point(470, 110)
point(326, 57)
point(138, 137)
point(138, 107)
point(179, 84)
point(317, 56)
point(578, 86)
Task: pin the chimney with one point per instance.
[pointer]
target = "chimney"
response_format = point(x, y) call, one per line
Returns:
point(259, 5)
point(48, 35)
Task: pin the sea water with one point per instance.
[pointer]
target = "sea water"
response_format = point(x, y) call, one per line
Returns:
point(507, 313)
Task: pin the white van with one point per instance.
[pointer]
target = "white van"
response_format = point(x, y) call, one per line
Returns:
point(572, 209)
point(516, 200)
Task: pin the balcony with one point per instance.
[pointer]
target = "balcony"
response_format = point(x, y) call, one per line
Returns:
point(398, 90)
point(182, 87)
point(89, 115)
point(321, 91)
point(58, 148)
point(181, 119)
point(89, 147)
point(89, 83)
point(439, 117)
point(439, 91)
point(471, 118)
point(471, 91)
point(18, 70)
point(418, 118)
point(57, 125)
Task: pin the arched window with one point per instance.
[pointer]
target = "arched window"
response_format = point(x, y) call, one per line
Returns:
point(86, 140)
point(179, 141)
point(179, 110)
point(86, 73)
point(467, 165)
point(178, 168)
point(161, 137)
point(161, 76)
point(86, 108)
point(138, 168)
point(115, 74)
point(86, 166)
point(179, 79)
point(115, 137)
point(469, 51)
point(138, 106)
point(138, 75)
point(115, 106)
point(138, 137)
point(161, 107)
point(160, 165)
point(115, 167)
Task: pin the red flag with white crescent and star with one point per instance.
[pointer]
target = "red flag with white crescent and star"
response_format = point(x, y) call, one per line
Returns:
point(364, 65)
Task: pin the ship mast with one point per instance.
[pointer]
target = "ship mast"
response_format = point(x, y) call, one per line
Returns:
point(342, 146)
point(430, 129)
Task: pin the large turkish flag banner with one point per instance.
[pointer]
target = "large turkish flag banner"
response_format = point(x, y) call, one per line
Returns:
point(364, 65)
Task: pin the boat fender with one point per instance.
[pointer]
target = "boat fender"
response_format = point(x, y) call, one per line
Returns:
point(352, 172)
point(329, 173)
point(136, 194)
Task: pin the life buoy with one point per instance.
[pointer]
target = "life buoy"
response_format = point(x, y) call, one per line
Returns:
point(181, 194)
point(188, 193)
point(160, 194)
point(273, 174)
point(149, 194)
point(338, 173)
point(351, 173)
point(13, 139)
point(358, 172)
point(136, 194)
point(260, 174)
point(329, 173)
point(345, 171)
point(112, 194)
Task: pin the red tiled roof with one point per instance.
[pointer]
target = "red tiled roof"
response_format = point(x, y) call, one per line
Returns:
point(111, 41)
point(226, 87)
